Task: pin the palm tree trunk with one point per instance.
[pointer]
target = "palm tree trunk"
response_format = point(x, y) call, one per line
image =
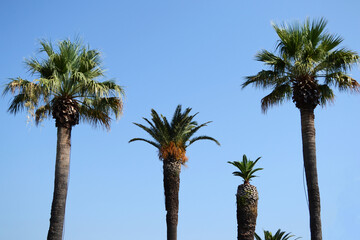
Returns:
point(246, 213)
point(309, 153)
point(172, 170)
point(61, 183)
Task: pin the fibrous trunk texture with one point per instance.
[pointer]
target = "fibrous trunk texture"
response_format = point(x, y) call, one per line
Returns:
point(306, 92)
point(309, 153)
point(61, 184)
point(172, 170)
point(246, 201)
point(65, 111)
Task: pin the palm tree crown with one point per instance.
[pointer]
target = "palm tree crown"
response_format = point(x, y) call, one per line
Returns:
point(306, 53)
point(66, 87)
point(279, 235)
point(246, 168)
point(172, 139)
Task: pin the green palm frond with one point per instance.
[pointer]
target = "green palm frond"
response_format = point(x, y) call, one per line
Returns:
point(279, 235)
point(304, 51)
point(154, 133)
point(176, 134)
point(94, 116)
point(326, 94)
point(246, 168)
point(193, 130)
point(69, 71)
point(279, 94)
point(340, 60)
point(265, 79)
point(191, 141)
point(145, 140)
point(96, 110)
point(278, 63)
point(342, 81)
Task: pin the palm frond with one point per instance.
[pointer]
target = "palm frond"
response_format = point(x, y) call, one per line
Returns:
point(329, 42)
point(246, 168)
point(279, 94)
point(94, 116)
point(163, 134)
point(18, 103)
point(279, 235)
point(265, 79)
point(326, 94)
point(28, 94)
point(257, 237)
point(152, 131)
point(69, 71)
point(304, 51)
point(275, 62)
point(145, 140)
point(42, 113)
point(342, 81)
point(192, 130)
point(202, 138)
point(336, 61)
point(171, 138)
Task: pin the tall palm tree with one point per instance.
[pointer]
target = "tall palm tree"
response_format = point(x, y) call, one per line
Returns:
point(246, 198)
point(172, 140)
point(306, 54)
point(66, 88)
point(279, 235)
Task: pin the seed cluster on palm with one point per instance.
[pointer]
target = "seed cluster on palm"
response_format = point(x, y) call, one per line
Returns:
point(246, 198)
point(171, 140)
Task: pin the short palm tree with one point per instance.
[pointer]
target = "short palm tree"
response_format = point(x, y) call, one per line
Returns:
point(246, 198)
point(279, 235)
point(306, 54)
point(172, 140)
point(67, 89)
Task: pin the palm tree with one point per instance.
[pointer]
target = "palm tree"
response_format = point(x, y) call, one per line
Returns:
point(306, 53)
point(172, 140)
point(246, 198)
point(67, 89)
point(279, 235)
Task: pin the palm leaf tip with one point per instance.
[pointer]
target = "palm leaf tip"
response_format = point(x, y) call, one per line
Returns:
point(191, 141)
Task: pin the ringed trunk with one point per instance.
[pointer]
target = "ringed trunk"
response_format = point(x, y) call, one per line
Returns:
point(172, 170)
point(61, 183)
point(309, 154)
point(246, 202)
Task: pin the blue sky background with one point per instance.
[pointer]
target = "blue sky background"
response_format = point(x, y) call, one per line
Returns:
point(195, 53)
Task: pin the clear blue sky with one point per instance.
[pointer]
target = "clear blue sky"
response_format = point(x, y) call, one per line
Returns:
point(190, 52)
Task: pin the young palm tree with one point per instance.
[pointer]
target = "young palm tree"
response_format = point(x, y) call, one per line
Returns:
point(246, 198)
point(172, 140)
point(306, 53)
point(279, 235)
point(67, 89)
